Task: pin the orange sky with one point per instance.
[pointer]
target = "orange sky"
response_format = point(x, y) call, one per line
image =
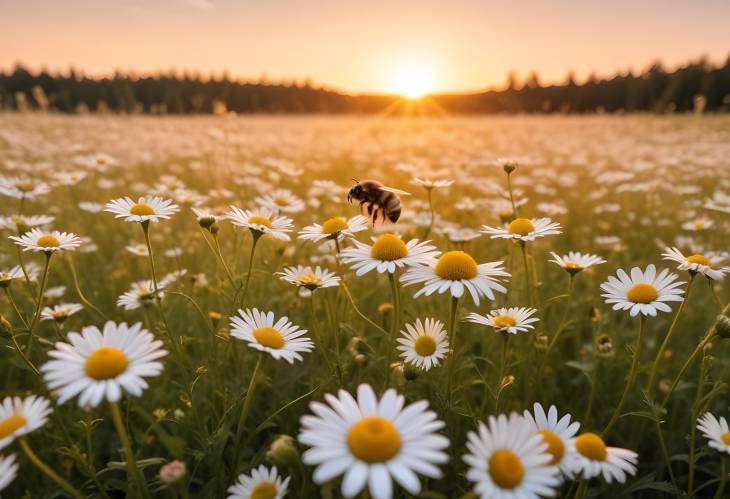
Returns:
point(363, 46)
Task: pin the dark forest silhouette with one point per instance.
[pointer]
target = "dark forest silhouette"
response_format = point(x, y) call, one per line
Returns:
point(697, 86)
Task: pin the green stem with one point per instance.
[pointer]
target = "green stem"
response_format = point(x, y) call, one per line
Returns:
point(453, 308)
point(133, 471)
point(582, 488)
point(80, 294)
point(693, 429)
point(222, 260)
point(560, 329)
point(433, 215)
point(511, 196)
point(332, 315)
point(39, 304)
point(46, 470)
point(723, 478)
point(15, 307)
point(528, 280)
point(710, 334)
point(344, 287)
point(394, 325)
point(500, 374)
point(665, 453)
point(316, 331)
point(246, 408)
point(256, 236)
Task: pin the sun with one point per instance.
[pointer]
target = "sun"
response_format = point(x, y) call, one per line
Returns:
point(413, 81)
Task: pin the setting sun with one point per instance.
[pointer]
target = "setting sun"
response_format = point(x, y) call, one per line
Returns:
point(413, 81)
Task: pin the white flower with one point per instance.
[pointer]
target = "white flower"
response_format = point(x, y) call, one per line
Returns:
point(455, 271)
point(575, 261)
point(707, 265)
point(373, 442)
point(146, 209)
point(281, 340)
point(91, 206)
point(424, 344)
point(334, 228)
point(22, 223)
point(263, 483)
point(8, 470)
point(594, 458)
point(281, 200)
point(558, 434)
point(719, 202)
point(311, 279)
point(47, 242)
point(60, 312)
point(101, 366)
point(511, 320)
point(431, 184)
point(140, 293)
point(20, 416)
point(8, 276)
point(508, 460)
point(524, 229)
point(716, 431)
point(22, 188)
point(642, 292)
point(387, 254)
point(697, 224)
point(262, 222)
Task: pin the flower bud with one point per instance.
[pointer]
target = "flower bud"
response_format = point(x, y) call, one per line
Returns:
point(604, 343)
point(509, 166)
point(283, 452)
point(206, 221)
point(173, 472)
point(722, 326)
point(410, 373)
point(385, 308)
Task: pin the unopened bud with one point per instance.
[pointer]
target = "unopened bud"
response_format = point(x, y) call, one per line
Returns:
point(509, 167)
point(604, 343)
point(385, 308)
point(410, 373)
point(283, 451)
point(206, 221)
point(173, 472)
point(722, 326)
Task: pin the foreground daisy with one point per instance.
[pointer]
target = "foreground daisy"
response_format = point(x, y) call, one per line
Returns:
point(524, 229)
point(100, 365)
point(511, 320)
point(47, 242)
point(643, 292)
point(334, 228)
point(716, 431)
point(594, 458)
point(455, 271)
point(146, 209)
point(280, 339)
point(20, 416)
point(372, 442)
point(424, 344)
point(509, 460)
point(262, 483)
point(558, 434)
point(387, 254)
point(261, 222)
point(575, 262)
point(60, 312)
point(308, 278)
point(707, 265)
point(8, 471)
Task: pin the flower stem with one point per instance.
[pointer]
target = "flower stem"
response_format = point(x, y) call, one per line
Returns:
point(15, 307)
point(133, 471)
point(723, 478)
point(433, 215)
point(511, 196)
point(39, 304)
point(710, 334)
point(500, 373)
point(561, 328)
point(46, 470)
point(246, 408)
point(256, 236)
point(453, 308)
point(394, 325)
point(344, 287)
point(693, 429)
point(528, 280)
point(80, 294)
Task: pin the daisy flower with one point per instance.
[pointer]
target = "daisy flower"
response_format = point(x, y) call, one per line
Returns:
point(719, 202)
point(716, 431)
point(388, 253)
point(281, 340)
point(524, 229)
point(575, 262)
point(261, 222)
point(455, 271)
point(47, 242)
point(206, 218)
point(141, 293)
point(558, 434)
point(8, 276)
point(373, 442)
point(281, 201)
point(429, 184)
point(334, 228)
point(594, 458)
point(305, 277)
point(60, 312)
point(509, 460)
point(23, 223)
point(511, 320)
point(424, 344)
point(145, 210)
point(707, 265)
point(23, 188)
point(20, 416)
point(100, 365)
point(697, 224)
point(8, 471)
point(262, 483)
point(642, 292)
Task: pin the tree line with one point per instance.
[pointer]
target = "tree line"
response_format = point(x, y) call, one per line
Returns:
point(694, 87)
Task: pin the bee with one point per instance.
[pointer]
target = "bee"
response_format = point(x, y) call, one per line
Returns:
point(380, 200)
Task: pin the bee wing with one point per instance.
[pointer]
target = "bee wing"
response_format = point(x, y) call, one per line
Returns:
point(395, 191)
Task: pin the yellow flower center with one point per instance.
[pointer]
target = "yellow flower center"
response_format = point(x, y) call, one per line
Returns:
point(281, 201)
point(336, 224)
point(725, 438)
point(591, 446)
point(642, 293)
point(374, 439)
point(389, 247)
point(573, 265)
point(700, 224)
point(141, 209)
point(308, 280)
point(10, 425)
point(48, 241)
point(506, 469)
point(456, 265)
point(269, 337)
point(504, 321)
point(24, 186)
point(264, 490)
point(521, 226)
point(555, 445)
point(259, 220)
point(425, 345)
point(105, 363)
point(701, 259)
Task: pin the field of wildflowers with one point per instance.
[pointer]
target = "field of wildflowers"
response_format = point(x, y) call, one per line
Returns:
point(191, 307)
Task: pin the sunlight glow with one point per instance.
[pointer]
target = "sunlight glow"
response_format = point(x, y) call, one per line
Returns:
point(413, 81)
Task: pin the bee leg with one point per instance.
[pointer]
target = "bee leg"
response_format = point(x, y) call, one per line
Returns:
point(370, 209)
point(375, 216)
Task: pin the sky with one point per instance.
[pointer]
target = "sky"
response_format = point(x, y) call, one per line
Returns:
point(364, 46)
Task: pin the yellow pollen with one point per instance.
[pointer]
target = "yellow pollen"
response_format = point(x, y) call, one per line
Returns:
point(700, 259)
point(259, 220)
point(264, 490)
point(506, 469)
point(555, 445)
point(389, 247)
point(425, 345)
point(10, 425)
point(504, 321)
point(456, 265)
point(642, 293)
point(309, 281)
point(572, 265)
point(269, 337)
point(48, 241)
point(725, 438)
point(281, 201)
point(374, 439)
point(141, 209)
point(700, 224)
point(591, 446)
point(336, 224)
point(505, 214)
point(521, 226)
point(105, 363)
point(24, 186)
